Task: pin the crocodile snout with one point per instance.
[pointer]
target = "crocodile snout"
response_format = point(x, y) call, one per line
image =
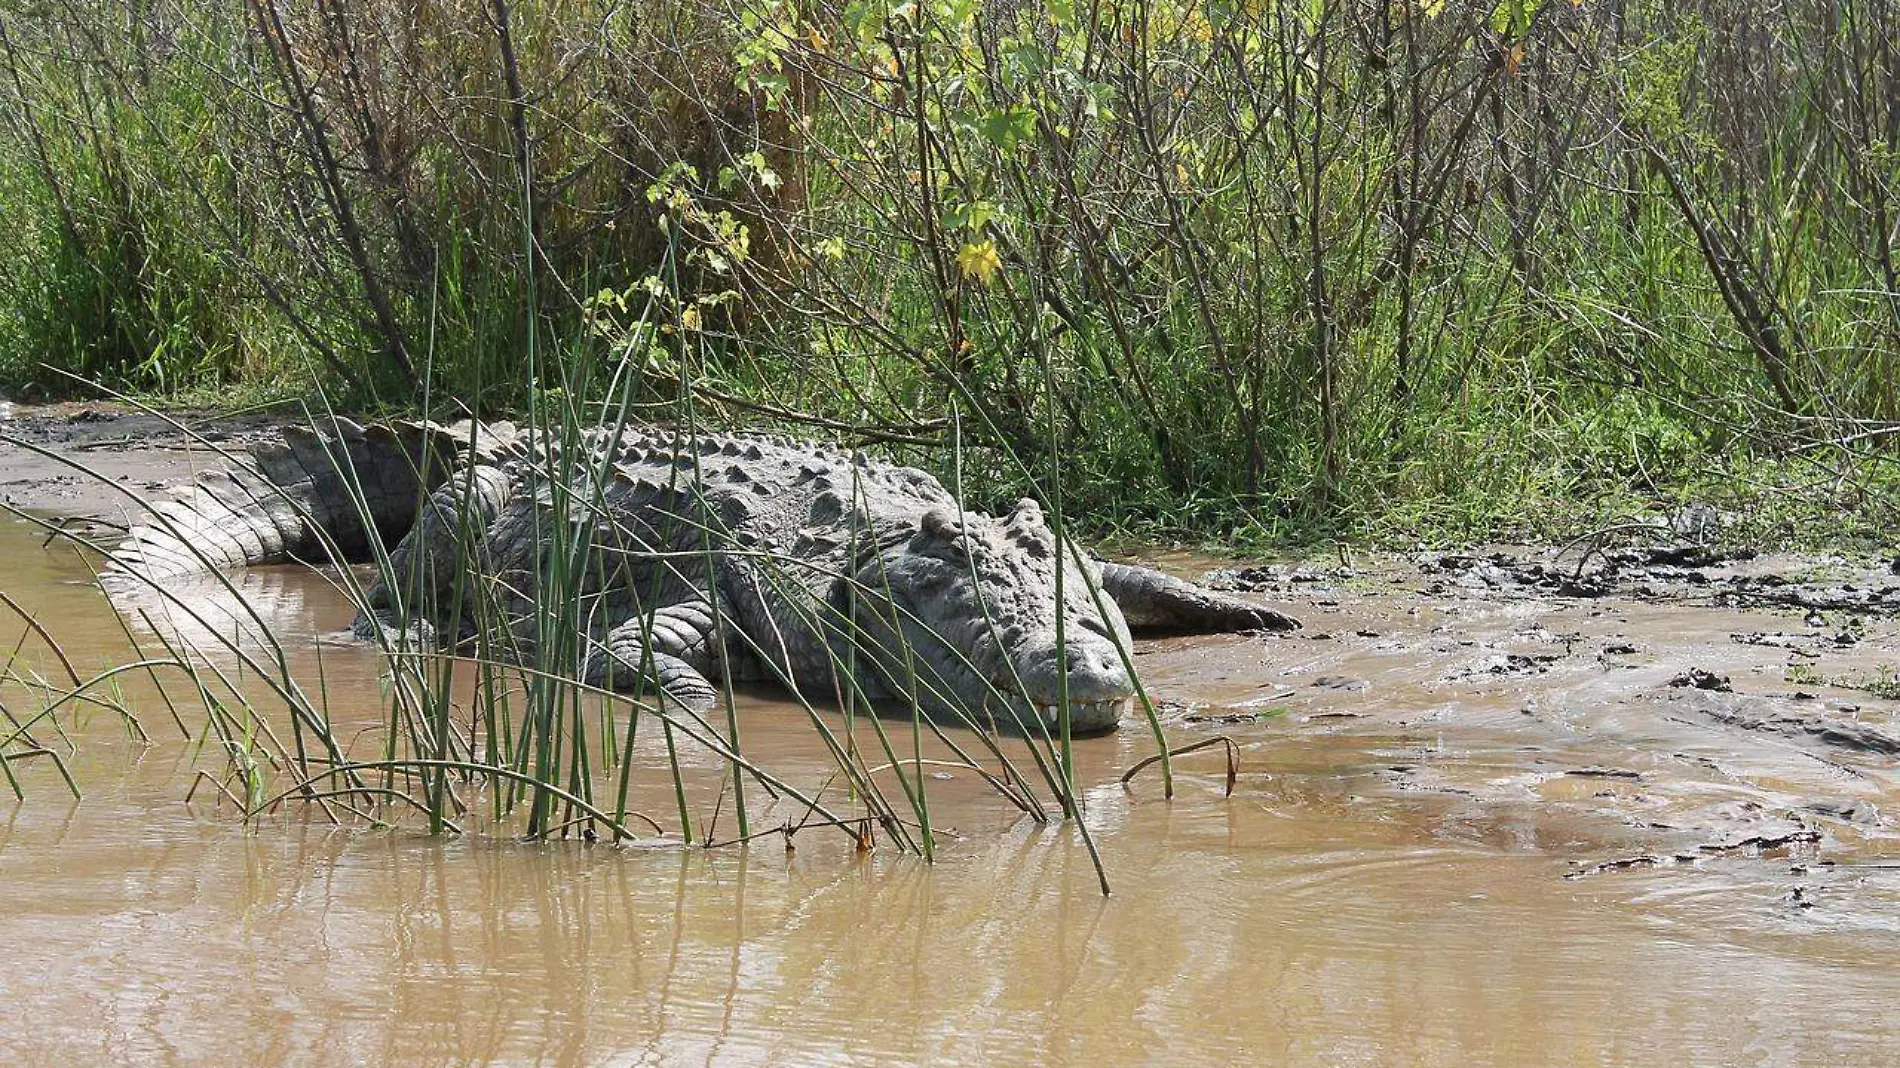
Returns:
point(1098, 687)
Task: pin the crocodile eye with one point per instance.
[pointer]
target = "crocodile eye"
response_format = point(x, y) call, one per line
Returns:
point(942, 525)
point(941, 536)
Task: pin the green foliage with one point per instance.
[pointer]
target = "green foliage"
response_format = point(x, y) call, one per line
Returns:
point(1242, 270)
point(1656, 83)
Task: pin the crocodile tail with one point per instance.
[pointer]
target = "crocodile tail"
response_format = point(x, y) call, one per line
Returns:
point(317, 495)
point(1157, 603)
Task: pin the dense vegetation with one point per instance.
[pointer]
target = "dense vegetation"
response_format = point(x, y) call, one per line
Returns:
point(1250, 270)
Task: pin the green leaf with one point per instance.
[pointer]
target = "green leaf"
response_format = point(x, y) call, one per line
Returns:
point(957, 14)
point(1512, 18)
point(1026, 57)
point(973, 216)
point(1008, 127)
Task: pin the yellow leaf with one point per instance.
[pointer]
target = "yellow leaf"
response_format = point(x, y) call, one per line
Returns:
point(690, 318)
point(979, 261)
point(1432, 8)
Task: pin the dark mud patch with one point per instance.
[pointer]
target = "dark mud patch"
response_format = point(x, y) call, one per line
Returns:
point(1507, 665)
point(1604, 773)
point(1700, 679)
point(1800, 644)
point(1838, 729)
point(1727, 577)
point(1771, 845)
point(1278, 579)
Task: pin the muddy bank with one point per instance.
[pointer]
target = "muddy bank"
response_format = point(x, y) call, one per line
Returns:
point(1692, 706)
point(134, 450)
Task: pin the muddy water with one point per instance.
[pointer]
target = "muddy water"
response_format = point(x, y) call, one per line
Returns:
point(1465, 831)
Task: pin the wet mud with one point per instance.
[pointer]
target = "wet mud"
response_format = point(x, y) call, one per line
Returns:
point(1620, 805)
point(138, 452)
point(1650, 694)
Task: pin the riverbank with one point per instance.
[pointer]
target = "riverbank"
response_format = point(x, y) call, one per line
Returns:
point(1799, 506)
point(138, 453)
point(1645, 662)
point(1502, 805)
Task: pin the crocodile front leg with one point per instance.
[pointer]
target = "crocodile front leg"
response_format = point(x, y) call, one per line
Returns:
point(1155, 602)
point(672, 649)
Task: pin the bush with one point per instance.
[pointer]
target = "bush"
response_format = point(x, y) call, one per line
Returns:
point(1249, 269)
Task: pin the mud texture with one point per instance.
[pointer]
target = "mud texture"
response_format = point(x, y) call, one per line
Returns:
point(138, 453)
point(1687, 704)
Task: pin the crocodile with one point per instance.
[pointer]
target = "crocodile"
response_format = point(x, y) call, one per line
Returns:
point(698, 559)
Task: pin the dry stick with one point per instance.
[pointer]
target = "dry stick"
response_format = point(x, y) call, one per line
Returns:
point(62, 522)
point(33, 680)
point(372, 791)
point(45, 637)
point(329, 171)
point(1761, 332)
point(19, 728)
point(1595, 538)
point(13, 655)
point(560, 829)
point(204, 776)
point(8, 758)
point(788, 829)
point(68, 225)
point(517, 114)
point(923, 762)
point(725, 781)
point(4, 770)
point(888, 434)
point(1233, 760)
point(489, 770)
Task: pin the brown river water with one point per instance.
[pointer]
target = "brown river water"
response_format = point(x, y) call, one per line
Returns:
point(1465, 831)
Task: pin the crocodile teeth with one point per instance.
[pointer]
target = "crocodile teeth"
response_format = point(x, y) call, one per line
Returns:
point(1087, 714)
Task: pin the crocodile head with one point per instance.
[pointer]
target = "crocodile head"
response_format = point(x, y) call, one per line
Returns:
point(974, 600)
